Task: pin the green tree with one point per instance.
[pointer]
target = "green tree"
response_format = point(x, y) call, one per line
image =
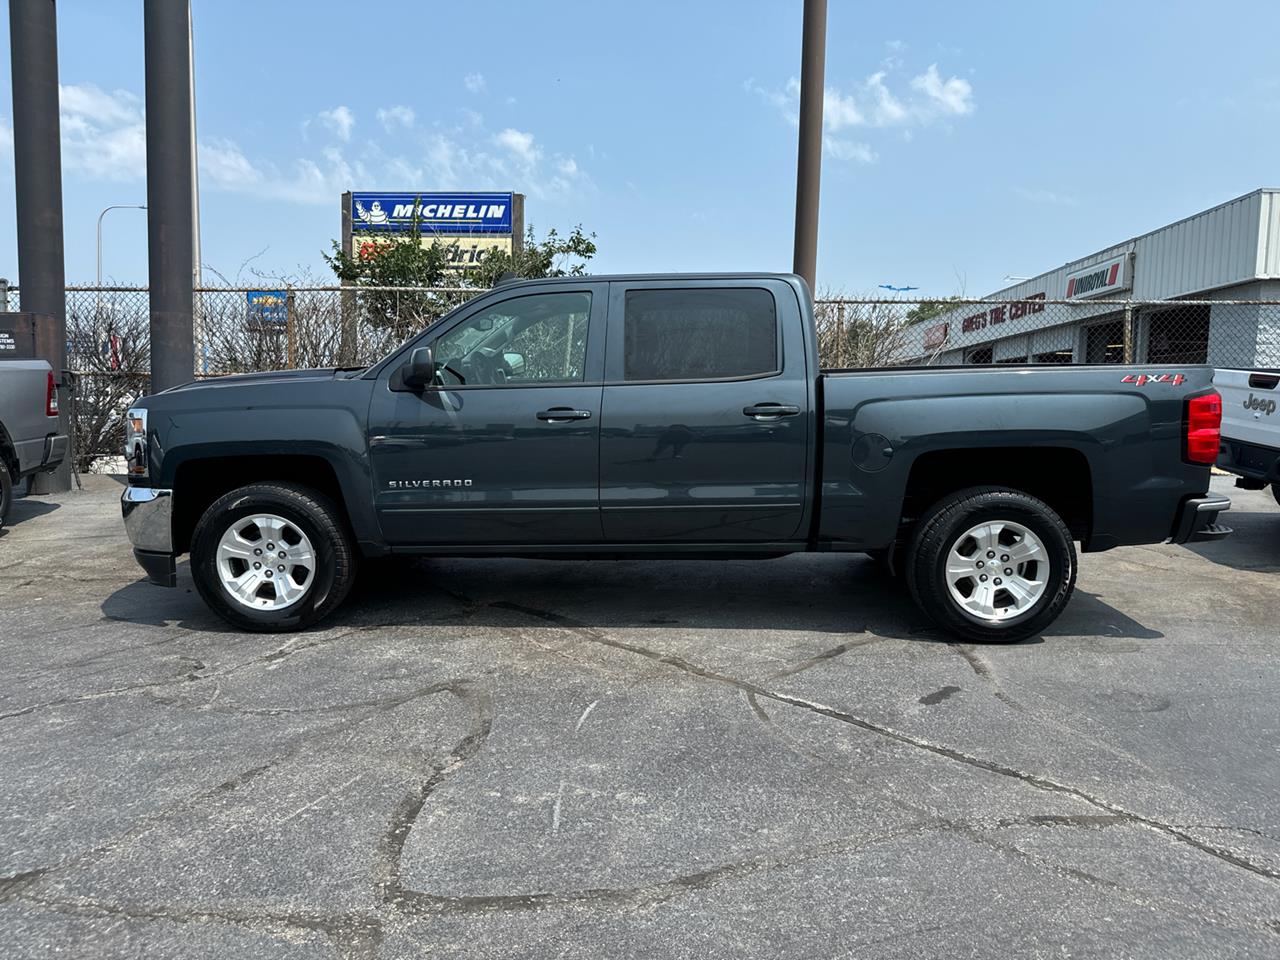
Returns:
point(928, 309)
point(402, 260)
point(394, 260)
point(553, 256)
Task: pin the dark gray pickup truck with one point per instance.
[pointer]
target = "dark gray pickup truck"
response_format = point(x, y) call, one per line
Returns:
point(665, 416)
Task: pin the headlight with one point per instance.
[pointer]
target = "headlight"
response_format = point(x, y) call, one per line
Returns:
point(135, 441)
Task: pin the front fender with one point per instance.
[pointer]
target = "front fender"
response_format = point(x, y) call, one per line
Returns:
point(325, 419)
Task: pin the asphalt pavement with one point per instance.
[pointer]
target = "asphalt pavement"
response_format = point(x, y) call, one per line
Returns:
point(499, 758)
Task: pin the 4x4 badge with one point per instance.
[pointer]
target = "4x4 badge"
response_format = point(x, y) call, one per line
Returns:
point(1142, 379)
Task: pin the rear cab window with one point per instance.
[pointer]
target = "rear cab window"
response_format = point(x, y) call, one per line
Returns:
point(707, 333)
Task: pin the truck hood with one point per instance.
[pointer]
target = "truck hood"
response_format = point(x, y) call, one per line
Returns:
point(270, 376)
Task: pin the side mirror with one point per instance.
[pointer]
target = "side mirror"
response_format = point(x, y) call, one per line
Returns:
point(420, 371)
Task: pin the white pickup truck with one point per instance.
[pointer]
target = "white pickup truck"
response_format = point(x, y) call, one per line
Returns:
point(1250, 427)
point(29, 438)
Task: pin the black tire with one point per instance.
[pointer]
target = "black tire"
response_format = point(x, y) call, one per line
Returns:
point(6, 491)
point(947, 521)
point(1275, 491)
point(316, 516)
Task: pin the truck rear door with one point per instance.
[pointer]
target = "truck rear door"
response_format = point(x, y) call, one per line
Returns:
point(707, 419)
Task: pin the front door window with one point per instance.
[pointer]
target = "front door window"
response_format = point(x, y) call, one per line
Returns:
point(538, 339)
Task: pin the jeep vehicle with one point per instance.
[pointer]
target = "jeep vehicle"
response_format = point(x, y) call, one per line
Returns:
point(1251, 427)
point(29, 439)
point(665, 416)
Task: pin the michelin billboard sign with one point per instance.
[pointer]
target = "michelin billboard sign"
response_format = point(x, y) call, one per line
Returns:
point(444, 213)
point(469, 226)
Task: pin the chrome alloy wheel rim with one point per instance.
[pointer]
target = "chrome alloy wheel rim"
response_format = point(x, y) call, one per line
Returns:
point(997, 570)
point(265, 562)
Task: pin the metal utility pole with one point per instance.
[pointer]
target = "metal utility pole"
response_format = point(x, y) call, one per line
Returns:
point(170, 200)
point(37, 156)
point(201, 342)
point(813, 64)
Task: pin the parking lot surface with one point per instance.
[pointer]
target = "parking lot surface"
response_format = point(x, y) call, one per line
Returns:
point(652, 759)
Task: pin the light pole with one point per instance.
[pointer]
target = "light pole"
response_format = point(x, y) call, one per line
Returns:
point(114, 206)
point(97, 317)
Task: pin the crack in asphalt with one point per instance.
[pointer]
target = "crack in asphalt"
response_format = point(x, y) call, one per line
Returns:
point(18, 886)
point(358, 935)
point(994, 767)
point(355, 936)
point(192, 675)
point(983, 671)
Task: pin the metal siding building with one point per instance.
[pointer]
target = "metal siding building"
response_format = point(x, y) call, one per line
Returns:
point(1229, 252)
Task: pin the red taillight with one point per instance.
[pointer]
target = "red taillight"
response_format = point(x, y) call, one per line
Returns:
point(1204, 428)
point(51, 398)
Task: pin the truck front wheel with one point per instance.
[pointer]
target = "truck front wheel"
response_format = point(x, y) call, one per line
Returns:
point(272, 557)
point(992, 564)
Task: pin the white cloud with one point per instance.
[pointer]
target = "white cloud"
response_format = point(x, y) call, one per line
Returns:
point(1048, 197)
point(104, 137)
point(519, 143)
point(340, 121)
point(104, 134)
point(888, 110)
point(474, 82)
point(838, 111)
point(841, 149)
point(397, 117)
point(223, 165)
point(873, 103)
point(952, 96)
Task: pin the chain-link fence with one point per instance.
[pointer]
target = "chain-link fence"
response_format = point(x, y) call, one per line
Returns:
point(875, 333)
point(237, 330)
point(241, 330)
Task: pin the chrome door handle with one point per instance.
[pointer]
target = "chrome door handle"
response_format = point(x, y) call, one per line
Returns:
point(770, 411)
point(563, 415)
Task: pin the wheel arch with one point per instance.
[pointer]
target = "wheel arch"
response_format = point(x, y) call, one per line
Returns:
point(1061, 477)
point(199, 481)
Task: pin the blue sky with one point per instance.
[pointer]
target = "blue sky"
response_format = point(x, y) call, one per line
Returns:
point(964, 141)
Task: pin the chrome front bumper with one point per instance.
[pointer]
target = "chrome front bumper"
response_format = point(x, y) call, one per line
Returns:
point(148, 518)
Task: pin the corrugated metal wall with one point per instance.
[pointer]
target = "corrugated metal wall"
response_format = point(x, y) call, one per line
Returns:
point(1212, 249)
point(1269, 240)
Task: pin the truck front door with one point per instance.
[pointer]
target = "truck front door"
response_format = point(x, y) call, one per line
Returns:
point(707, 421)
point(504, 448)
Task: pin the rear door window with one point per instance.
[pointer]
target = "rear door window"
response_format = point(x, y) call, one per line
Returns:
point(699, 334)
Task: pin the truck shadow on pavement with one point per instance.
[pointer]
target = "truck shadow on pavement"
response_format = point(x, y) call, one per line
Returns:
point(845, 596)
point(26, 509)
point(1254, 543)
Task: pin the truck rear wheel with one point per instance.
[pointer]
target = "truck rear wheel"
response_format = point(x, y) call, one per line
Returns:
point(992, 564)
point(272, 557)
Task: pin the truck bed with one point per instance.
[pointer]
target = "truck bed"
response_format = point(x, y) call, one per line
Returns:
point(1098, 434)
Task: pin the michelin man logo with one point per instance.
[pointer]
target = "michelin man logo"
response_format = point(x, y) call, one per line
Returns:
point(374, 216)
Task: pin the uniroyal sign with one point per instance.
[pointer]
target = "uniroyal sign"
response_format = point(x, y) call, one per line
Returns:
point(1099, 279)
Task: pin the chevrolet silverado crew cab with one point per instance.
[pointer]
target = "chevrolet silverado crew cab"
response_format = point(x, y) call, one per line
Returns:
point(665, 416)
point(1251, 427)
point(29, 439)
